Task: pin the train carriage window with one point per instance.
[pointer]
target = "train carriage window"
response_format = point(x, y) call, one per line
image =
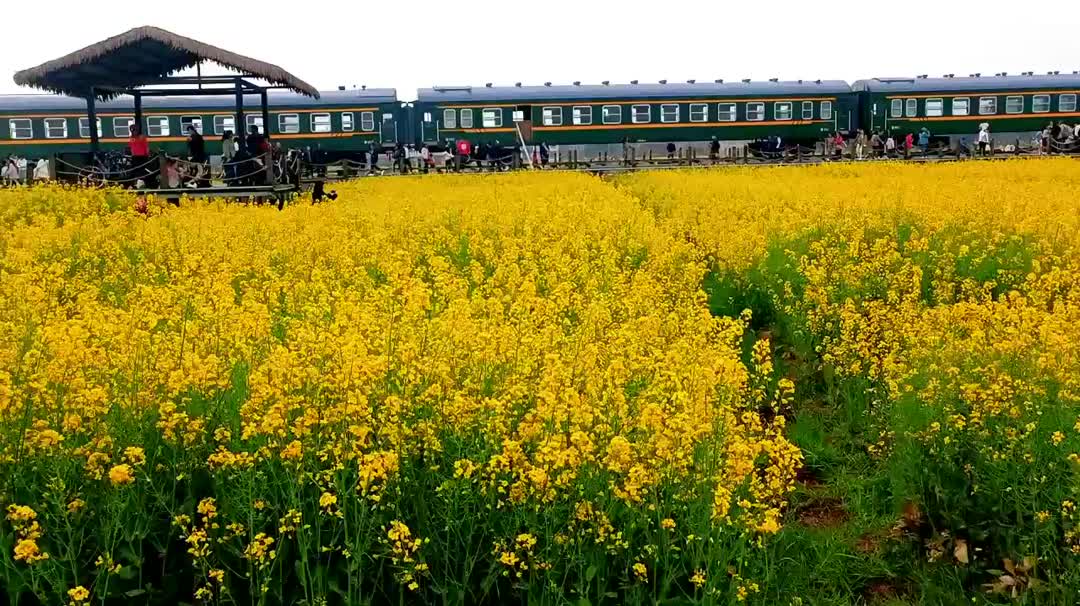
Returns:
point(320, 123)
point(987, 106)
point(288, 124)
point(896, 108)
point(911, 108)
point(157, 126)
point(84, 128)
point(699, 112)
point(347, 124)
point(807, 110)
point(367, 121)
point(640, 114)
point(224, 123)
point(755, 112)
point(186, 121)
point(612, 114)
point(1067, 102)
point(1014, 104)
point(21, 128)
point(466, 118)
point(826, 110)
point(121, 127)
point(725, 112)
point(935, 107)
point(961, 106)
point(56, 128)
point(256, 121)
point(669, 113)
point(552, 116)
point(583, 115)
point(449, 118)
point(1040, 104)
point(782, 110)
point(491, 117)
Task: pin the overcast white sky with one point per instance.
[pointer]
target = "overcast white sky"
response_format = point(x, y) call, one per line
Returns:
point(419, 43)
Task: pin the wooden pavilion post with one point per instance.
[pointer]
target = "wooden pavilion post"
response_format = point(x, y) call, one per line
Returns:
point(241, 132)
point(265, 114)
point(138, 110)
point(91, 115)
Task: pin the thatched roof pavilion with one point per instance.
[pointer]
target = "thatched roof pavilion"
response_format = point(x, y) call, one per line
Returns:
point(141, 62)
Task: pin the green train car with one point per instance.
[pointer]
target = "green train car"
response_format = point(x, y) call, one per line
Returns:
point(609, 115)
point(342, 122)
point(952, 108)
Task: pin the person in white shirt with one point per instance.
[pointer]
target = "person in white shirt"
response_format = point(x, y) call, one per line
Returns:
point(425, 158)
point(984, 138)
point(41, 170)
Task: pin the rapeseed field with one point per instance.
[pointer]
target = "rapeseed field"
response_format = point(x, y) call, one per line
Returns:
point(828, 385)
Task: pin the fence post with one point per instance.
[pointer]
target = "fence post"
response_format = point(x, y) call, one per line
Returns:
point(163, 182)
point(268, 160)
point(52, 168)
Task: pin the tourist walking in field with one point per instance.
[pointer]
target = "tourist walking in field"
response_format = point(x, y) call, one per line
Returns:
point(909, 142)
point(875, 145)
point(228, 154)
point(860, 144)
point(924, 140)
point(890, 147)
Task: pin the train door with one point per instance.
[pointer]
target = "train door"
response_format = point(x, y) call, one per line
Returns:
point(388, 130)
point(429, 127)
point(523, 121)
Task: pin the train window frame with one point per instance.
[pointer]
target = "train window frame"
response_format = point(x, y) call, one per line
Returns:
point(466, 119)
point(84, 127)
point(992, 105)
point(348, 122)
point(726, 112)
point(290, 128)
point(807, 110)
point(367, 122)
point(491, 117)
point(552, 115)
point(13, 129)
point(125, 130)
point(825, 110)
point(1010, 102)
point(966, 102)
point(699, 112)
point(449, 118)
point(315, 122)
point(63, 128)
point(196, 120)
point(582, 115)
point(1061, 102)
point(777, 105)
point(1035, 104)
point(220, 126)
point(758, 111)
point(896, 108)
point(255, 120)
point(665, 113)
point(159, 123)
point(939, 102)
point(607, 111)
point(636, 109)
point(911, 108)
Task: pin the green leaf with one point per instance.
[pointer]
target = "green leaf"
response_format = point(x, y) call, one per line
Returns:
point(590, 573)
point(584, 602)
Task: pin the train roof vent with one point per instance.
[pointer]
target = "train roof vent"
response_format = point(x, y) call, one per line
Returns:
point(452, 89)
point(362, 87)
point(817, 81)
point(746, 80)
point(774, 79)
point(633, 82)
point(606, 83)
point(923, 76)
point(517, 84)
point(663, 82)
point(1056, 72)
point(719, 81)
point(342, 87)
point(800, 81)
point(488, 85)
point(577, 82)
point(691, 81)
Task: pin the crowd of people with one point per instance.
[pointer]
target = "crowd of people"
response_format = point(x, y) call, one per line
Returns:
point(11, 172)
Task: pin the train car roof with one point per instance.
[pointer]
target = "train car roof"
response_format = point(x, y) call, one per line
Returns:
point(42, 102)
point(969, 83)
point(456, 94)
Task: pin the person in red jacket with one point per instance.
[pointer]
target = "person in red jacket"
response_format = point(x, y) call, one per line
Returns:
point(139, 148)
point(463, 149)
point(909, 142)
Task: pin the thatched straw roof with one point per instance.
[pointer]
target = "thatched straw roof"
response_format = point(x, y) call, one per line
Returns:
point(141, 56)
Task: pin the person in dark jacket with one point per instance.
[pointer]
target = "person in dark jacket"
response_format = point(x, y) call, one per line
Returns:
point(714, 149)
point(197, 152)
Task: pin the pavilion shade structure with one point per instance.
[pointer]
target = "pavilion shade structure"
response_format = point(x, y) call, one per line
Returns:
point(141, 57)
